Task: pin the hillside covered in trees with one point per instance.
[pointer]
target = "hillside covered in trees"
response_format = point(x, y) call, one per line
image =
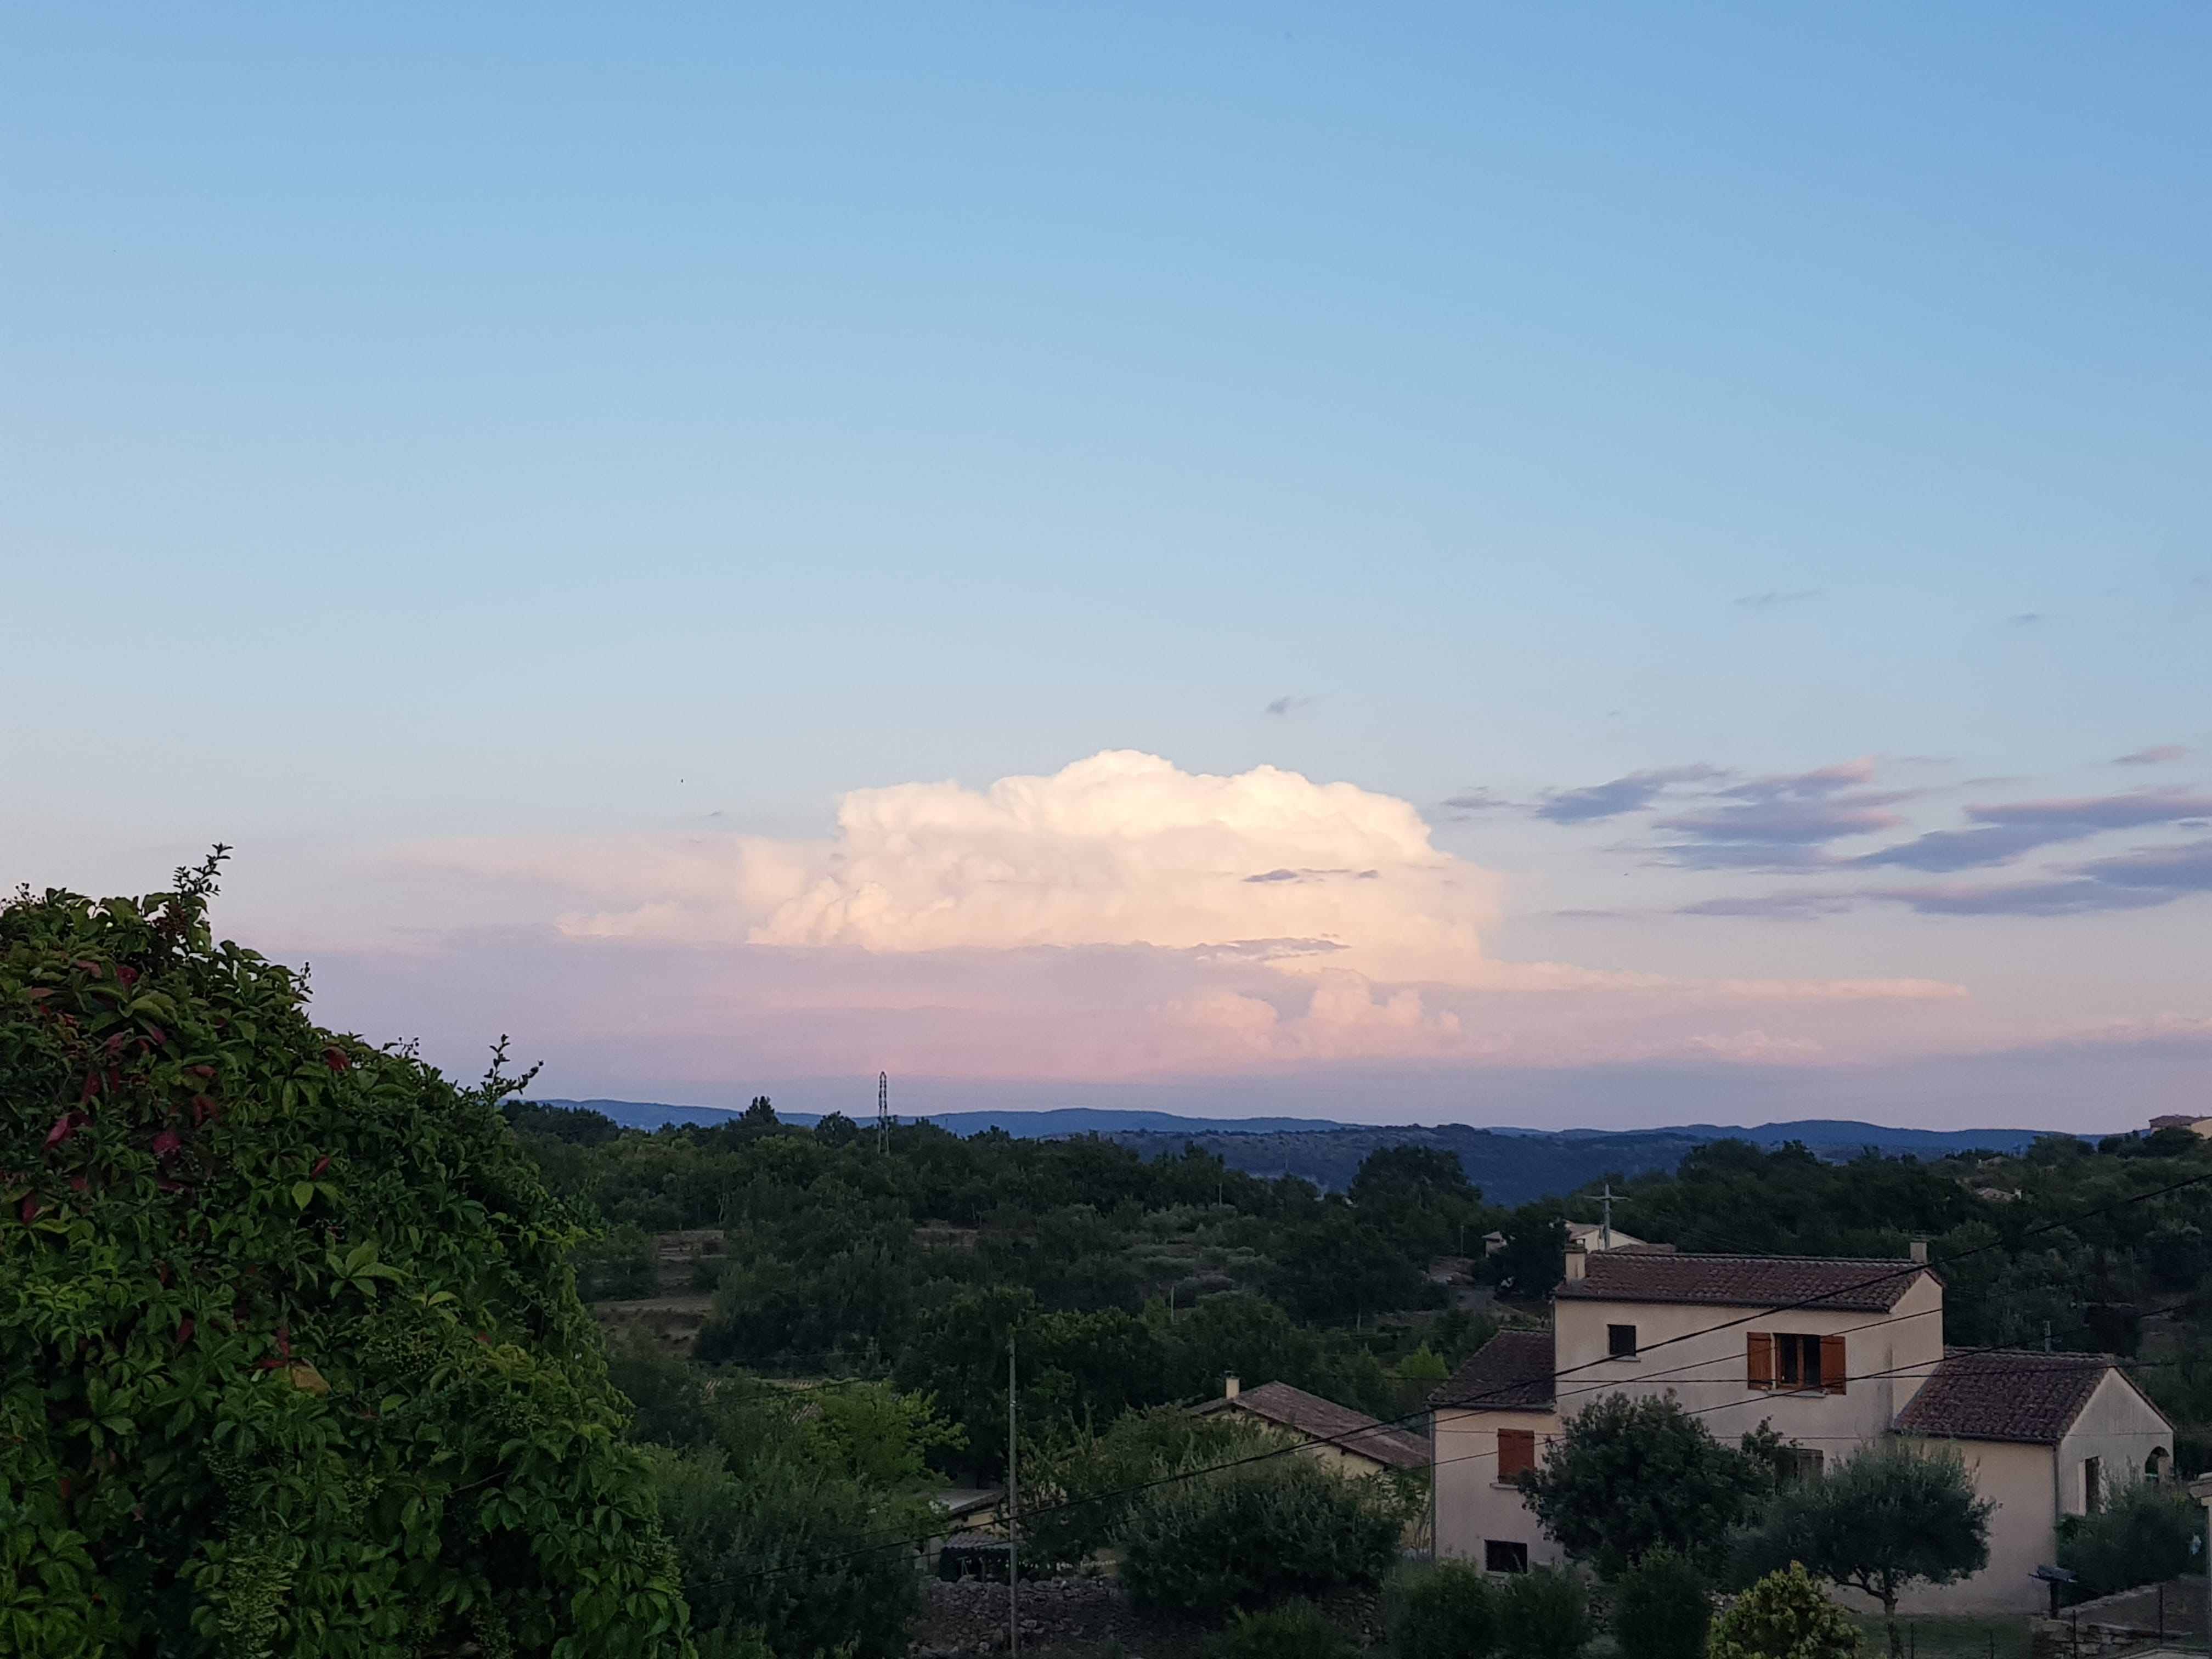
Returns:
point(1134, 1282)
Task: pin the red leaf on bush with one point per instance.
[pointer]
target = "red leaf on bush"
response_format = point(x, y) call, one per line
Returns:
point(285, 1341)
point(91, 1082)
point(154, 1032)
point(77, 1181)
point(337, 1059)
point(184, 1331)
point(66, 1489)
point(201, 1070)
point(30, 1210)
point(321, 1164)
point(127, 974)
point(204, 1108)
point(115, 1042)
point(64, 1127)
point(166, 1143)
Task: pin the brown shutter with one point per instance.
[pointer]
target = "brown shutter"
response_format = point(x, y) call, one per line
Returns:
point(1517, 1452)
point(1831, 1364)
point(1758, 1359)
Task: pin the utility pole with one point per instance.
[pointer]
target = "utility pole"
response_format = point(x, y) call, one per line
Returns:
point(1013, 1514)
point(1605, 1227)
point(883, 1111)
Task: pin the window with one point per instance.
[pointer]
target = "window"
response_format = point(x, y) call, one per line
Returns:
point(1517, 1452)
point(2092, 1485)
point(2155, 1466)
point(1621, 1341)
point(1800, 1363)
point(1499, 1556)
point(1795, 1464)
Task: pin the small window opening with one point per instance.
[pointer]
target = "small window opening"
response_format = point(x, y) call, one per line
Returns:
point(1498, 1555)
point(1621, 1341)
point(1517, 1452)
point(1794, 1465)
point(2092, 1485)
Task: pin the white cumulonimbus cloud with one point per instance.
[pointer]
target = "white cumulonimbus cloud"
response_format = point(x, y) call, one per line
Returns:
point(1194, 919)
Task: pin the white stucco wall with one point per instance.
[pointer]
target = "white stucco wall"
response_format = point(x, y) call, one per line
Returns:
point(1472, 1504)
point(1887, 1358)
point(2119, 1427)
point(2023, 1532)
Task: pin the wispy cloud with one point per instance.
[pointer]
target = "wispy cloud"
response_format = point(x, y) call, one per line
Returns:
point(2161, 754)
point(1784, 821)
point(1630, 794)
point(2010, 829)
point(1777, 596)
point(1476, 800)
point(1282, 707)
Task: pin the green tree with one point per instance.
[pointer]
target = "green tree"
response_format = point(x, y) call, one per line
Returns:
point(1785, 1616)
point(1889, 1516)
point(1630, 1474)
point(1661, 1608)
point(1544, 1614)
point(1446, 1610)
point(2143, 1535)
point(293, 1356)
point(1252, 1535)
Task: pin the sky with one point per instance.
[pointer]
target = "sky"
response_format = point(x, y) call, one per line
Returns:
point(1562, 565)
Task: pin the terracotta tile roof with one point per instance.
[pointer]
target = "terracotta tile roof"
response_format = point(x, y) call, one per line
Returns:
point(1512, 1371)
point(1324, 1419)
point(1851, 1284)
point(2019, 1395)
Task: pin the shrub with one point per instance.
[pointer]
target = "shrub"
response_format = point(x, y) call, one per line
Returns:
point(1244, 1537)
point(1447, 1611)
point(2144, 1534)
point(791, 1557)
point(1660, 1608)
point(1785, 1616)
point(1544, 1614)
point(292, 1358)
point(1297, 1631)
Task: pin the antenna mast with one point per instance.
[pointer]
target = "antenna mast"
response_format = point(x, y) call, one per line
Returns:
point(883, 1111)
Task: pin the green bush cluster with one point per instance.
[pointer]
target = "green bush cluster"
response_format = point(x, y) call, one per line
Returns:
point(2144, 1534)
point(1785, 1616)
point(1447, 1610)
point(1661, 1608)
point(1249, 1536)
point(1296, 1630)
point(291, 1357)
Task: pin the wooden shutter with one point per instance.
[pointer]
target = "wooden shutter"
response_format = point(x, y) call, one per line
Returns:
point(1758, 1359)
point(1831, 1364)
point(1517, 1452)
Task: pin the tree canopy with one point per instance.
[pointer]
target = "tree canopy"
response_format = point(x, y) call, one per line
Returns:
point(1890, 1516)
point(1634, 1474)
point(292, 1358)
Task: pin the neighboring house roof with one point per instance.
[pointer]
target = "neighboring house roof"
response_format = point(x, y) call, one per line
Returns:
point(1324, 1419)
point(1851, 1284)
point(2021, 1395)
point(1512, 1371)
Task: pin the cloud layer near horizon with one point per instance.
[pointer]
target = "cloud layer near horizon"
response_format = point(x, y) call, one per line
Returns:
point(1123, 917)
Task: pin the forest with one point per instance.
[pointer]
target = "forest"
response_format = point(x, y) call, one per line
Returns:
point(1130, 1283)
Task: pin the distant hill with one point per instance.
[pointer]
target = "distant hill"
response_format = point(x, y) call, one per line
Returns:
point(1511, 1166)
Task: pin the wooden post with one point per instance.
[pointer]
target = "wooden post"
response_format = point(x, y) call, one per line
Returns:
point(1013, 1514)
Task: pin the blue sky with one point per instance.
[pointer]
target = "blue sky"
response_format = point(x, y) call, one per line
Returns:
point(459, 457)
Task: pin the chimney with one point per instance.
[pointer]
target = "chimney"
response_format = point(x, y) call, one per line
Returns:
point(1229, 1386)
point(1920, 1251)
point(1577, 1261)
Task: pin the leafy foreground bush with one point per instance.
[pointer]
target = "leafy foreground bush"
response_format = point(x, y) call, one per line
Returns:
point(1297, 1631)
point(1544, 1614)
point(1785, 1616)
point(292, 1361)
point(1444, 1611)
point(2143, 1535)
point(794, 1515)
point(1662, 1609)
point(1244, 1537)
